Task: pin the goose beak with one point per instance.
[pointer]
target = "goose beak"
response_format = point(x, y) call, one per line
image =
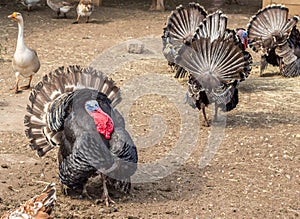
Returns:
point(12, 16)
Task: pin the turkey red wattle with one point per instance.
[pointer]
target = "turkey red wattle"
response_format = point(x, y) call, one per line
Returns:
point(104, 123)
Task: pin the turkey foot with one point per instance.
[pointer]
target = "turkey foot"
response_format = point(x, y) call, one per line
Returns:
point(64, 189)
point(85, 193)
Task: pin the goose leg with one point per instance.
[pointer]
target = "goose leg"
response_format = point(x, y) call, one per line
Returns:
point(106, 197)
point(16, 87)
point(27, 86)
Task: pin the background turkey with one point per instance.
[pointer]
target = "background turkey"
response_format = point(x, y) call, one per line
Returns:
point(72, 108)
point(269, 31)
point(217, 61)
point(180, 29)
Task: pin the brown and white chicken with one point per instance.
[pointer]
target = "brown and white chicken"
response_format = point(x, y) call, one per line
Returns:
point(38, 207)
point(84, 9)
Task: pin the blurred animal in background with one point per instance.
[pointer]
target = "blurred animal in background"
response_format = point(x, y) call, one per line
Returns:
point(25, 61)
point(275, 35)
point(84, 9)
point(38, 207)
point(30, 3)
point(180, 29)
point(73, 108)
point(157, 5)
point(60, 7)
point(217, 62)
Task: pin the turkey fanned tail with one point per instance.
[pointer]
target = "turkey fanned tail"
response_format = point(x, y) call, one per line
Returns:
point(180, 29)
point(50, 98)
point(273, 32)
point(214, 63)
point(213, 26)
point(217, 66)
point(270, 27)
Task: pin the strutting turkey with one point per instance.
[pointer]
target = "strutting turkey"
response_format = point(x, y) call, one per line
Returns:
point(271, 31)
point(38, 207)
point(217, 61)
point(180, 29)
point(73, 108)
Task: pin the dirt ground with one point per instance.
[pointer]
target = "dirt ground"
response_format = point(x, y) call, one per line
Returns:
point(255, 168)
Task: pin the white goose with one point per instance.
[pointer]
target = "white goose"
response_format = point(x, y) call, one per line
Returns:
point(25, 60)
point(60, 7)
point(30, 3)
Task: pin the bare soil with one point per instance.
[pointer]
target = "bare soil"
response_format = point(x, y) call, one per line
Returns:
point(255, 170)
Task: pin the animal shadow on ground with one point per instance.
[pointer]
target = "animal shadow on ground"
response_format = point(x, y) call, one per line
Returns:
point(182, 184)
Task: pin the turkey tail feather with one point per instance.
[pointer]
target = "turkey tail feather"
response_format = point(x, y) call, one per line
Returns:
point(180, 29)
point(270, 27)
point(213, 26)
point(50, 98)
point(219, 61)
point(183, 22)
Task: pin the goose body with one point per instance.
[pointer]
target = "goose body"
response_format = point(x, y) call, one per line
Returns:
point(25, 60)
point(30, 3)
point(60, 7)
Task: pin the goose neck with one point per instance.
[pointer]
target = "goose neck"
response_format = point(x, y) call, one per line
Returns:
point(20, 42)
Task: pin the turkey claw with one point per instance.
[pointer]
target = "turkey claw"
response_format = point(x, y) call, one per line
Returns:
point(108, 200)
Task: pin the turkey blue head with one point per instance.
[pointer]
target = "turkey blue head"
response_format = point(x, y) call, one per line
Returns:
point(243, 35)
point(91, 105)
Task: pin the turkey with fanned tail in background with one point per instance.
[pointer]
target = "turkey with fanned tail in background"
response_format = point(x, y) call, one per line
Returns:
point(217, 61)
point(269, 31)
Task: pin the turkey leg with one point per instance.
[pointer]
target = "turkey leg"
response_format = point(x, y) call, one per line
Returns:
point(106, 197)
point(204, 114)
